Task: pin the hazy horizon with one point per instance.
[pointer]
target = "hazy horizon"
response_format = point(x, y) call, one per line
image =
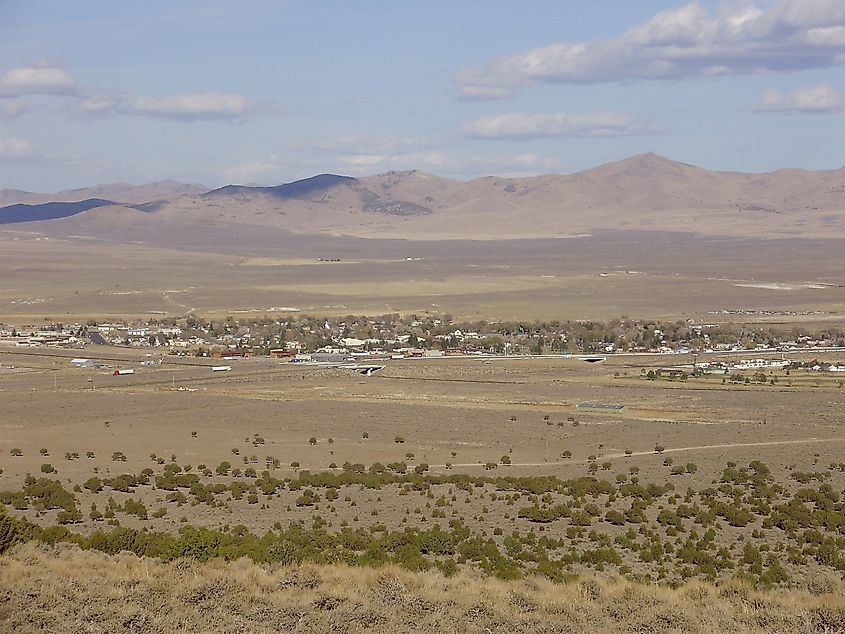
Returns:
point(164, 181)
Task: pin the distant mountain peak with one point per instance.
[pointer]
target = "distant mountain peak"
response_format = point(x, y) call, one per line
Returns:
point(650, 158)
point(321, 180)
point(644, 165)
point(304, 188)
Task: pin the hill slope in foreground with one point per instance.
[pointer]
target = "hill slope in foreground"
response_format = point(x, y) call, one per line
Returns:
point(63, 589)
point(643, 193)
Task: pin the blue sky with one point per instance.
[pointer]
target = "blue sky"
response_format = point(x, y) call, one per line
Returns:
point(215, 92)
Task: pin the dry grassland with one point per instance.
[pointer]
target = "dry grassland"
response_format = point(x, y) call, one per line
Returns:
point(65, 590)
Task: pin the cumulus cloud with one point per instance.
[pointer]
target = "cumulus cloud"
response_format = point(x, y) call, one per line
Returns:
point(511, 125)
point(42, 78)
point(822, 98)
point(689, 41)
point(185, 107)
point(16, 149)
point(45, 78)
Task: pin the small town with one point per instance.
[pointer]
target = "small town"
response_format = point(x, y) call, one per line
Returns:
point(304, 338)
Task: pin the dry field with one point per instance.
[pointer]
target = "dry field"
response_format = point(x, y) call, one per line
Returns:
point(479, 409)
point(49, 273)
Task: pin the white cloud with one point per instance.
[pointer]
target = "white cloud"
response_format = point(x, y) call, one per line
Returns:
point(822, 98)
point(738, 39)
point(511, 125)
point(16, 149)
point(13, 110)
point(24, 152)
point(185, 107)
point(45, 78)
point(365, 163)
point(358, 155)
point(212, 105)
point(38, 79)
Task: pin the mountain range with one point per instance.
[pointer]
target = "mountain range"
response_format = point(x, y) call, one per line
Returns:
point(116, 192)
point(645, 192)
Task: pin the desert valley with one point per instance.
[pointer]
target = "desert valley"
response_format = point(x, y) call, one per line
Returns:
point(479, 317)
point(711, 453)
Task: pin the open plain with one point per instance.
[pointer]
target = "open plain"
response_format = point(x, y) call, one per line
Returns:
point(498, 447)
point(479, 408)
point(50, 273)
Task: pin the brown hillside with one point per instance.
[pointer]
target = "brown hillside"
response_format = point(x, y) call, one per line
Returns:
point(645, 192)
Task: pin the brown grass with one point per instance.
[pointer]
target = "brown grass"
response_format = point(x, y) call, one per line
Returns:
point(63, 589)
